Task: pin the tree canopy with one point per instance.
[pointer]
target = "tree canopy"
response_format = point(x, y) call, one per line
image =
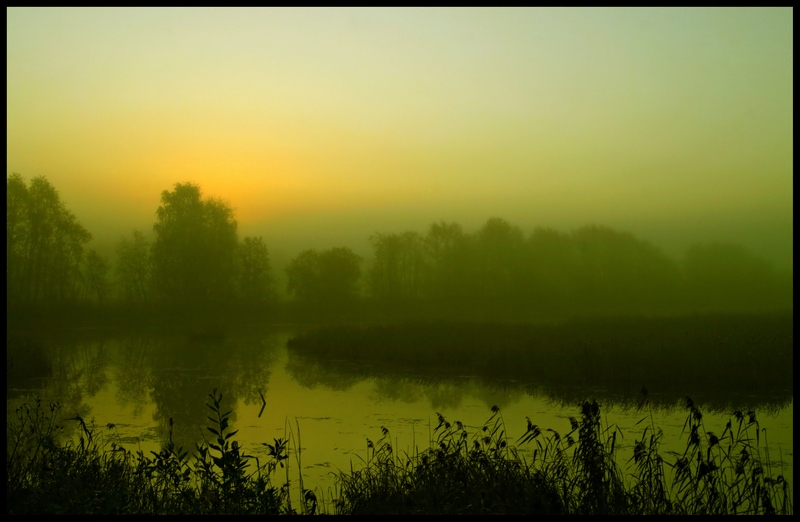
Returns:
point(194, 252)
point(44, 244)
point(134, 268)
point(195, 259)
point(255, 282)
point(399, 269)
point(327, 276)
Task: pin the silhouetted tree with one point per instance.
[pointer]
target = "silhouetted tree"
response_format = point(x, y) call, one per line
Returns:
point(194, 252)
point(96, 276)
point(548, 274)
point(498, 258)
point(398, 270)
point(722, 276)
point(446, 246)
point(44, 243)
point(617, 272)
point(324, 277)
point(255, 281)
point(17, 236)
point(134, 268)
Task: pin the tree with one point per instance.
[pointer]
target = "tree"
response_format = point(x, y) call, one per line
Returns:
point(447, 253)
point(398, 270)
point(616, 271)
point(324, 277)
point(722, 276)
point(194, 252)
point(255, 282)
point(498, 258)
point(548, 274)
point(96, 271)
point(17, 236)
point(44, 243)
point(134, 268)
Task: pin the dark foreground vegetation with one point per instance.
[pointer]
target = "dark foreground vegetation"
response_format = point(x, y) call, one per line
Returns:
point(464, 471)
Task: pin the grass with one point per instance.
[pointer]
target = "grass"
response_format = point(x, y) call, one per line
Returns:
point(98, 476)
point(464, 471)
point(484, 473)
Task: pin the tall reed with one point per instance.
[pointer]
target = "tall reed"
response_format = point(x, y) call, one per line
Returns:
point(465, 470)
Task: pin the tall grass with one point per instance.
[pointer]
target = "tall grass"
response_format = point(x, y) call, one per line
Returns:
point(465, 470)
point(96, 475)
point(484, 473)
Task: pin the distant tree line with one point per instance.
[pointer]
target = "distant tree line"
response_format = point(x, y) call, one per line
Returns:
point(196, 258)
point(592, 269)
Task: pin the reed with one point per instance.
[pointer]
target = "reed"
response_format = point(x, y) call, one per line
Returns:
point(465, 470)
point(97, 475)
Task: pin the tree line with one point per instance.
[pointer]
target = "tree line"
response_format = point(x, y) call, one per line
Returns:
point(592, 269)
point(196, 257)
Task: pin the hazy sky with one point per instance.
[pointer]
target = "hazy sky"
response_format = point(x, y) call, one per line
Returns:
point(675, 124)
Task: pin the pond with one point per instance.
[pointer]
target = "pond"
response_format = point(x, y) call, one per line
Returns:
point(130, 385)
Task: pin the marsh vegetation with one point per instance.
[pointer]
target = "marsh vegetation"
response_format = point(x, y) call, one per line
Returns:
point(463, 471)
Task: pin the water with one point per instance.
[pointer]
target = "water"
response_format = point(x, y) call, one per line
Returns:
point(136, 383)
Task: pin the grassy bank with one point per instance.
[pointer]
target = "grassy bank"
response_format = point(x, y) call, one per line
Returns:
point(464, 470)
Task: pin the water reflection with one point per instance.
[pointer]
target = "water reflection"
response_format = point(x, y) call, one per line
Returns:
point(444, 389)
point(133, 374)
point(172, 375)
point(723, 362)
point(140, 382)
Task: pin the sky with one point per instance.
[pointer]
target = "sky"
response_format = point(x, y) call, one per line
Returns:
point(324, 126)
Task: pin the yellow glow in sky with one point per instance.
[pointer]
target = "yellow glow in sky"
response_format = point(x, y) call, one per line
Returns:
point(654, 118)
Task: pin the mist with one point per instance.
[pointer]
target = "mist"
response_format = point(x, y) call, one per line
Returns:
point(672, 124)
point(386, 224)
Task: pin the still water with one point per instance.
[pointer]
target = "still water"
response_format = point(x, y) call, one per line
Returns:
point(130, 386)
